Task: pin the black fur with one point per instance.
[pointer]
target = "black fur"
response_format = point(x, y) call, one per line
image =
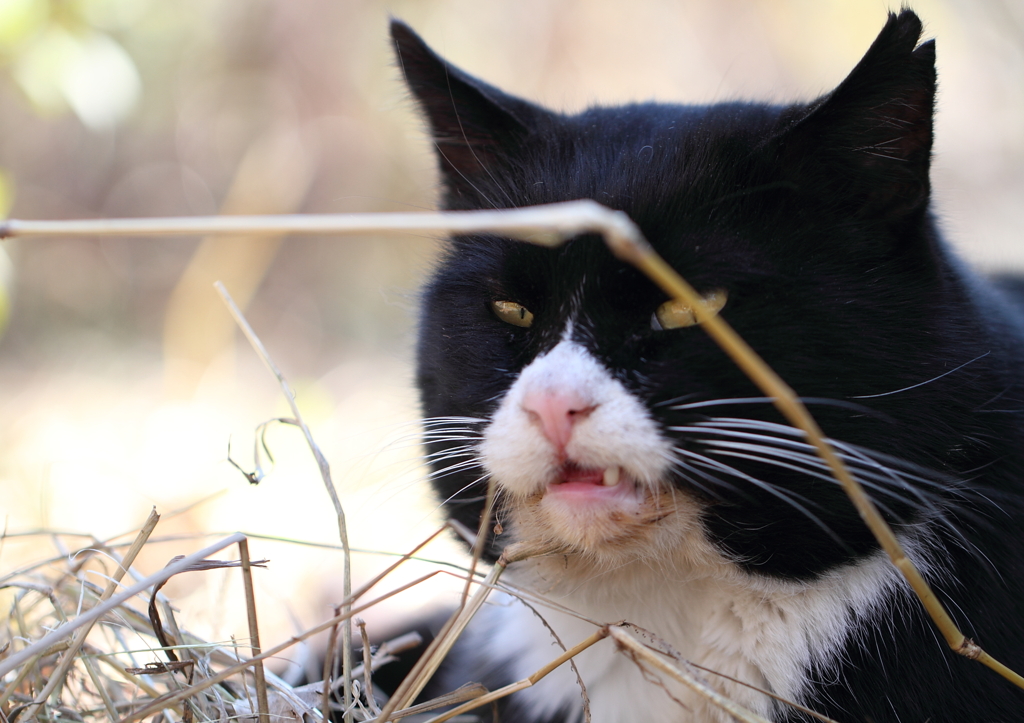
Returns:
point(816, 219)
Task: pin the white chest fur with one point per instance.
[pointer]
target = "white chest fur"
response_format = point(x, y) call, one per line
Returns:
point(764, 633)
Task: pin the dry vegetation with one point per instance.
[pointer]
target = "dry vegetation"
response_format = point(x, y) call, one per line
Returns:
point(306, 89)
point(40, 684)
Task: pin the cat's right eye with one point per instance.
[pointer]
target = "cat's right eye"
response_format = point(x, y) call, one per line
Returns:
point(675, 314)
point(512, 313)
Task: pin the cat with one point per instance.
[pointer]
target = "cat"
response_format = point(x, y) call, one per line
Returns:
point(613, 427)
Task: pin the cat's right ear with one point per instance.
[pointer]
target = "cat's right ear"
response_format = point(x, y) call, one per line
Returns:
point(473, 125)
point(867, 145)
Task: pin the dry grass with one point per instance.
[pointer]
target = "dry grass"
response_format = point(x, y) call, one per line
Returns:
point(78, 651)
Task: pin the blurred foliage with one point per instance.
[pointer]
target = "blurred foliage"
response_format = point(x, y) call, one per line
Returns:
point(63, 56)
point(143, 108)
point(151, 108)
point(6, 194)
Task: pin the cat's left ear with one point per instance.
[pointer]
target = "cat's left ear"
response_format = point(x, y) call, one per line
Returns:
point(868, 143)
point(475, 127)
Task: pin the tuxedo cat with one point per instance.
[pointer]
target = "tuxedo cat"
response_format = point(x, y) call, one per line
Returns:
point(614, 428)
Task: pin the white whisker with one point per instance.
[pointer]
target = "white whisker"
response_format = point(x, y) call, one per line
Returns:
point(785, 495)
point(867, 478)
point(921, 384)
point(462, 489)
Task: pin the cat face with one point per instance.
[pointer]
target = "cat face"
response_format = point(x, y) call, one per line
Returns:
point(610, 423)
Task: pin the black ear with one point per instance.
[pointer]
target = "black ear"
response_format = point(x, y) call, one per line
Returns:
point(868, 143)
point(475, 127)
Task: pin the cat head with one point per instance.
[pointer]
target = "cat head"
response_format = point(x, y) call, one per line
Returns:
point(865, 147)
point(610, 422)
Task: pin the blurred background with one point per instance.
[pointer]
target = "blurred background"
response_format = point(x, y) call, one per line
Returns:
point(122, 378)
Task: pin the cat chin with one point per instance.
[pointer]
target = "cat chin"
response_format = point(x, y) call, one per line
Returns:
point(638, 524)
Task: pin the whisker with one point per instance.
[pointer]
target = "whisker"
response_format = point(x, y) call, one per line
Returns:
point(448, 420)
point(881, 474)
point(684, 471)
point(869, 478)
point(732, 401)
point(449, 458)
point(921, 384)
point(459, 449)
point(846, 450)
point(445, 471)
point(722, 402)
point(437, 439)
point(459, 491)
point(811, 473)
point(784, 495)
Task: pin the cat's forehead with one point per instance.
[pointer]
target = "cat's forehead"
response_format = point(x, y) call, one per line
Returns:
point(669, 167)
point(645, 158)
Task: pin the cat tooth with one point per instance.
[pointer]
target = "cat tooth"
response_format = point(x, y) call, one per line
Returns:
point(611, 476)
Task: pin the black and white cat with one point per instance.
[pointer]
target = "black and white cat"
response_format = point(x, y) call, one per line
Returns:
point(615, 428)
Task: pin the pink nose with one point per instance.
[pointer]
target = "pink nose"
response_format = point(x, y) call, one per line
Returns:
point(556, 413)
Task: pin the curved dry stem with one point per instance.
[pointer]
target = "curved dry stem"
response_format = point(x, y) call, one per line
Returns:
point(435, 653)
point(524, 683)
point(658, 645)
point(644, 656)
point(787, 402)
point(325, 474)
point(431, 659)
point(551, 225)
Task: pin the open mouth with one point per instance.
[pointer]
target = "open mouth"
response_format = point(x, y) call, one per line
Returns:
point(573, 474)
point(591, 482)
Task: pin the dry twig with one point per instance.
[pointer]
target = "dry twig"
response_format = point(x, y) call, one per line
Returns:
point(325, 474)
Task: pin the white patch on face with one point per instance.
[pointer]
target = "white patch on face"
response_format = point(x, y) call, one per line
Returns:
point(618, 431)
point(615, 438)
point(639, 553)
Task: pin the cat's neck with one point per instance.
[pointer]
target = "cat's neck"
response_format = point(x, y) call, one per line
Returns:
point(763, 632)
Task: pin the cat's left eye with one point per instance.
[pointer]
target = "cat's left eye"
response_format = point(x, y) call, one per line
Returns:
point(512, 313)
point(676, 314)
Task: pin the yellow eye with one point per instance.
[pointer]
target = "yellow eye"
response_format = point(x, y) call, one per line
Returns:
point(675, 314)
point(512, 313)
